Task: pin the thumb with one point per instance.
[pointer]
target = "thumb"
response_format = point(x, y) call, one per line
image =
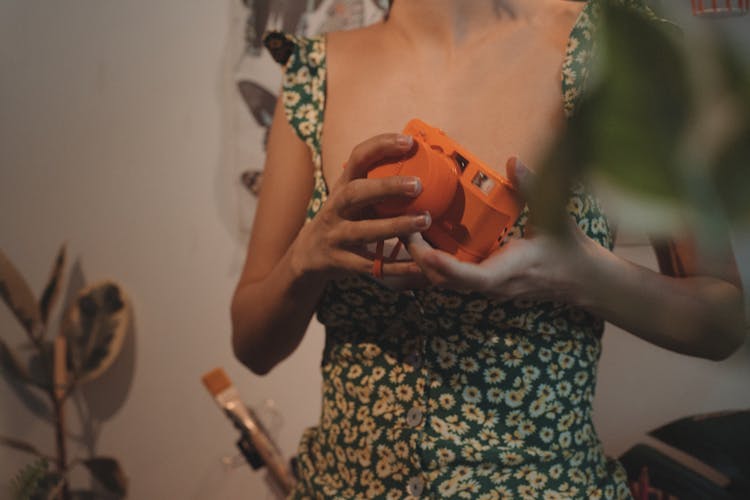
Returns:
point(524, 180)
point(520, 176)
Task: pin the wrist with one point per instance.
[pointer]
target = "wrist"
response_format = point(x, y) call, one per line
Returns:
point(589, 273)
point(301, 261)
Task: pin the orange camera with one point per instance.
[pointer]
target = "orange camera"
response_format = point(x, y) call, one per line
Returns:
point(471, 205)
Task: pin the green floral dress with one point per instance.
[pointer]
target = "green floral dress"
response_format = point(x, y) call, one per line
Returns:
point(444, 394)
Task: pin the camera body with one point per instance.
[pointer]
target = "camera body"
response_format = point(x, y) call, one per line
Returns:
point(471, 205)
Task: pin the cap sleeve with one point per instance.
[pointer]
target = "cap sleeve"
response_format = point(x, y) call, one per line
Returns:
point(303, 83)
point(303, 93)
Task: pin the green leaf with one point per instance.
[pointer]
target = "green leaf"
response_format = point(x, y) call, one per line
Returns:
point(633, 120)
point(41, 366)
point(31, 481)
point(18, 296)
point(109, 473)
point(50, 293)
point(628, 121)
point(732, 177)
point(11, 365)
point(731, 174)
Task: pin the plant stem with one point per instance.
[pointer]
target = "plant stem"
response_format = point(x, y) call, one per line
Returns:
point(58, 394)
point(62, 455)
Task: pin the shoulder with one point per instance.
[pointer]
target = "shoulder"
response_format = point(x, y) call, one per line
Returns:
point(292, 50)
point(313, 52)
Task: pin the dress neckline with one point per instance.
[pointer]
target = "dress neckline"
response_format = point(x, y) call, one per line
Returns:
point(572, 74)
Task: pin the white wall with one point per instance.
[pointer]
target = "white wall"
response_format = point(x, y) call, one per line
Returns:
point(116, 126)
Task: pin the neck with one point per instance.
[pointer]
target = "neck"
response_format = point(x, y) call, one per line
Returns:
point(448, 25)
point(454, 23)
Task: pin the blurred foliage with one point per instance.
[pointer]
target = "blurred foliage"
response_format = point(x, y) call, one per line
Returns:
point(33, 482)
point(108, 472)
point(664, 118)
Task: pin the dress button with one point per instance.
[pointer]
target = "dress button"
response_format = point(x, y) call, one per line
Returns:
point(415, 486)
point(413, 417)
point(414, 359)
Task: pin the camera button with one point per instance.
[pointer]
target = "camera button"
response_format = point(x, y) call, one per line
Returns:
point(414, 359)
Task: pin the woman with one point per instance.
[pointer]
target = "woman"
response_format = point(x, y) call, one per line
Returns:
point(480, 385)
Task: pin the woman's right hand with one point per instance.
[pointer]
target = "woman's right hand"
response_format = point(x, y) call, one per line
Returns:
point(332, 244)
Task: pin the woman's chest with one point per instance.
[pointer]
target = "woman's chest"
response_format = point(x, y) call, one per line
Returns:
point(495, 106)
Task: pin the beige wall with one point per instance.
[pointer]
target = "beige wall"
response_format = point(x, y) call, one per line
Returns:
point(116, 130)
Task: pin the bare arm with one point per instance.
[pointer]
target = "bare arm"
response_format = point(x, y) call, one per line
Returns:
point(289, 262)
point(692, 311)
point(698, 311)
point(269, 297)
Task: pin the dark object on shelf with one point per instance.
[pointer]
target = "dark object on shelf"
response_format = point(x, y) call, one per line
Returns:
point(720, 440)
point(670, 476)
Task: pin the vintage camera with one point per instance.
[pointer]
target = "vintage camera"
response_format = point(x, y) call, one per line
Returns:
point(471, 205)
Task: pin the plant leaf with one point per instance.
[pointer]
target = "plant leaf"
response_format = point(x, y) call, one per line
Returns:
point(30, 481)
point(11, 365)
point(636, 116)
point(18, 296)
point(628, 120)
point(50, 293)
point(109, 473)
point(91, 331)
point(731, 173)
point(83, 495)
point(40, 366)
point(101, 340)
point(17, 444)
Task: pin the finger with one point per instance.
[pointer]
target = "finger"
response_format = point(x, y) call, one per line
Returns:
point(376, 149)
point(410, 281)
point(359, 264)
point(416, 245)
point(409, 268)
point(360, 193)
point(456, 273)
point(430, 260)
point(359, 233)
point(520, 176)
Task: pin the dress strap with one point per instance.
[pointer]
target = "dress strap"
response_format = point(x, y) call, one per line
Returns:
point(303, 93)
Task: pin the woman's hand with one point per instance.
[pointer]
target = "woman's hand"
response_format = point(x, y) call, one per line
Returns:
point(332, 243)
point(539, 266)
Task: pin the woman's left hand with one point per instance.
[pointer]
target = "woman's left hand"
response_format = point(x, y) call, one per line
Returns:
point(538, 266)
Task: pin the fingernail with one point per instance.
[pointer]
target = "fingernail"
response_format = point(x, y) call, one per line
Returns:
point(423, 221)
point(404, 140)
point(414, 186)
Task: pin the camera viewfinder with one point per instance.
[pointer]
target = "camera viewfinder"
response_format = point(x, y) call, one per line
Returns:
point(484, 183)
point(461, 161)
